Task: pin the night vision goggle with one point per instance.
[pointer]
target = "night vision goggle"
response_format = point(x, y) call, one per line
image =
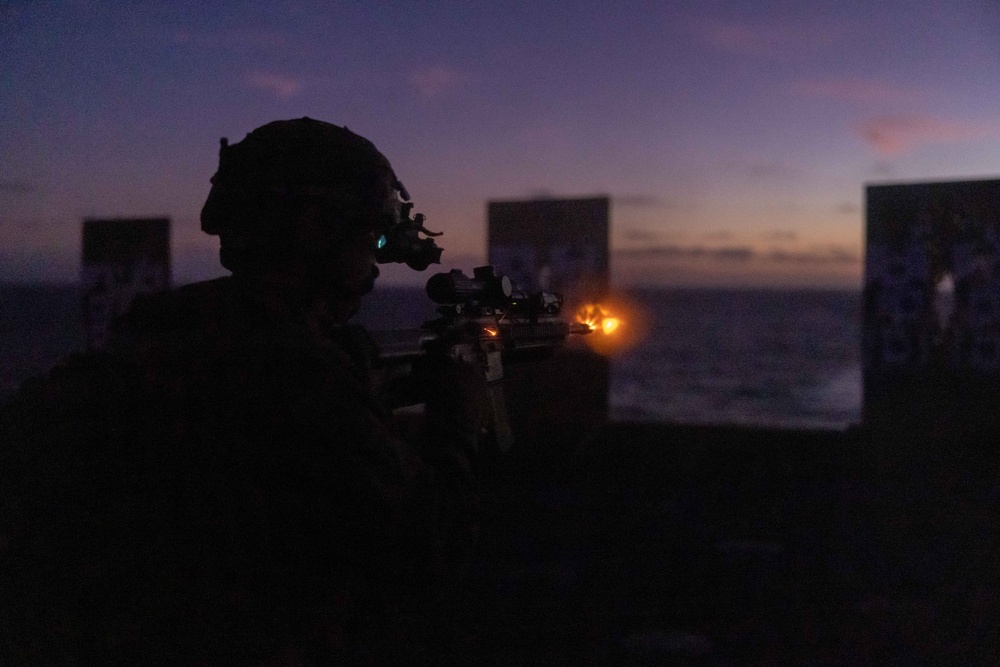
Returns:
point(398, 240)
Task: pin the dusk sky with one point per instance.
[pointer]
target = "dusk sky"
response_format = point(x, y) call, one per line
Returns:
point(734, 138)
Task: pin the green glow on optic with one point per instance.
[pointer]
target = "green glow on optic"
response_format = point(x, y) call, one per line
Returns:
point(381, 242)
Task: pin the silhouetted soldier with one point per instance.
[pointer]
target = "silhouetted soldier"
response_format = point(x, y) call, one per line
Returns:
point(223, 485)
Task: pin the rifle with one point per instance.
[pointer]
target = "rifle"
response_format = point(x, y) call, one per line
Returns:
point(484, 321)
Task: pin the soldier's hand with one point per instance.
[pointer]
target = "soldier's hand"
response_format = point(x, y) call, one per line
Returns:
point(457, 396)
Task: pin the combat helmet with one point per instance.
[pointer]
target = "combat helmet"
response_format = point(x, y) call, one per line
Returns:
point(264, 180)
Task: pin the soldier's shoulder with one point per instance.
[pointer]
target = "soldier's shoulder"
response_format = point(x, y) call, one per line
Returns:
point(182, 307)
point(79, 380)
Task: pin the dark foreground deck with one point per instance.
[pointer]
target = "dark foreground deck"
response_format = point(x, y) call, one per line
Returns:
point(663, 545)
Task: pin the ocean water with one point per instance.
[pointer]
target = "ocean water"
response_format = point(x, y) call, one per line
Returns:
point(39, 325)
point(765, 358)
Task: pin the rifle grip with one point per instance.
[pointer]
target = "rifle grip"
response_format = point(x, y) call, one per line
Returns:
point(501, 424)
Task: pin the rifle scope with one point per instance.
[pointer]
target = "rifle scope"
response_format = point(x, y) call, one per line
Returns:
point(485, 287)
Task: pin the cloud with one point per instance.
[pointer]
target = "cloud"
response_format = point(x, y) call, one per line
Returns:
point(777, 38)
point(847, 208)
point(829, 255)
point(279, 85)
point(896, 135)
point(431, 82)
point(742, 254)
point(638, 201)
point(860, 91)
point(779, 235)
point(732, 253)
point(639, 235)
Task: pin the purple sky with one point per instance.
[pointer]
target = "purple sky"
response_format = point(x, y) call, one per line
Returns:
point(734, 138)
